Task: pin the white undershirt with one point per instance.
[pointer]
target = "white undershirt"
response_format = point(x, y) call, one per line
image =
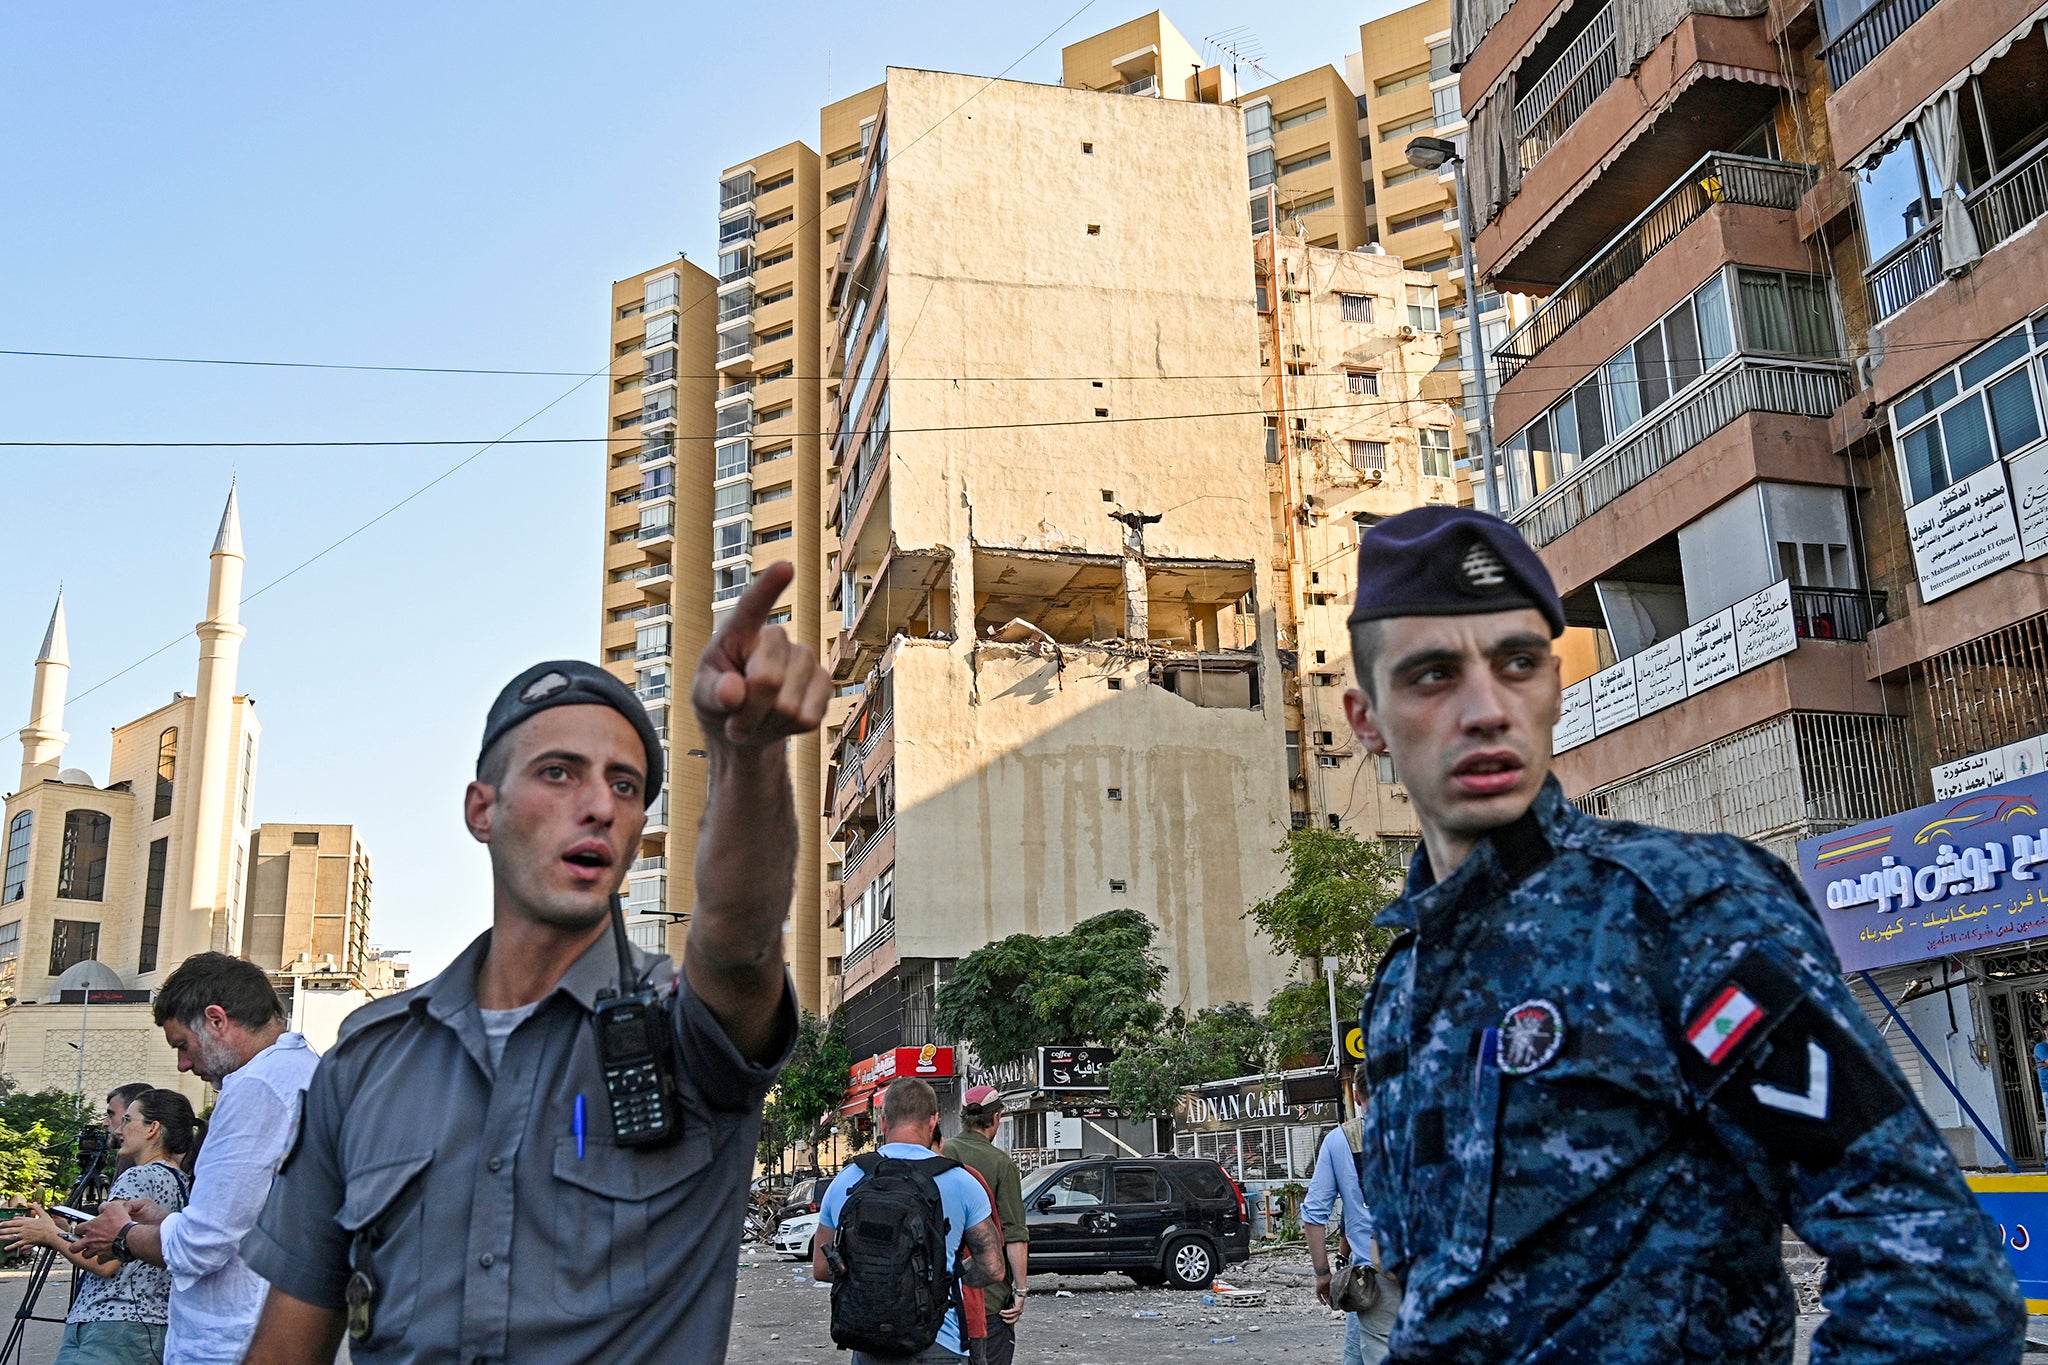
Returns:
point(498, 1026)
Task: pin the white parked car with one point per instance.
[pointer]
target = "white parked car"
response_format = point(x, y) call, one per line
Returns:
point(793, 1238)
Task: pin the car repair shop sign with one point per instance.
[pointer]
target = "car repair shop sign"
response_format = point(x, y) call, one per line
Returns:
point(1971, 872)
point(2019, 1205)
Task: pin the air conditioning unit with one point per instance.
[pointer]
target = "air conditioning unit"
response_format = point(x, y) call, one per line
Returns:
point(1408, 333)
point(1372, 476)
point(1299, 783)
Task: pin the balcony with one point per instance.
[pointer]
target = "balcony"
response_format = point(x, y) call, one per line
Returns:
point(1144, 85)
point(658, 531)
point(733, 230)
point(1999, 210)
point(736, 346)
point(1742, 384)
point(738, 388)
point(1564, 93)
point(1837, 613)
point(722, 596)
point(657, 580)
point(735, 191)
point(1717, 178)
point(1869, 34)
point(734, 423)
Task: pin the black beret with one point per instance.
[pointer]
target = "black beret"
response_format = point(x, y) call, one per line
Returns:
point(571, 682)
point(1450, 561)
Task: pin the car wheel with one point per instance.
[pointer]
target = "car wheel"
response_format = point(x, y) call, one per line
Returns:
point(1190, 1264)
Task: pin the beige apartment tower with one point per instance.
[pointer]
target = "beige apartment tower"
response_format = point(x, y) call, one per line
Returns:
point(309, 901)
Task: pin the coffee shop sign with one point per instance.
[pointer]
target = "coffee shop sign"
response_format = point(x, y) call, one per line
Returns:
point(1267, 1102)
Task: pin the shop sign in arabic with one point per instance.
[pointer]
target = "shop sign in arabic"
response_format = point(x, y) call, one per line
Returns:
point(1754, 631)
point(1963, 533)
point(1074, 1068)
point(1942, 878)
point(1973, 774)
point(2030, 494)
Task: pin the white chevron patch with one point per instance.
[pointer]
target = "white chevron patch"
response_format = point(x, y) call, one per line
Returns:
point(1814, 1103)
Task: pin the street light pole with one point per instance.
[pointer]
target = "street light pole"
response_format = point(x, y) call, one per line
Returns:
point(1429, 154)
point(1472, 336)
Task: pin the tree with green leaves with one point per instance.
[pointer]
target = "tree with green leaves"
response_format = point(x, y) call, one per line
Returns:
point(1297, 1018)
point(1215, 1044)
point(1098, 983)
point(58, 1114)
point(1337, 883)
point(809, 1091)
point(26, 1167)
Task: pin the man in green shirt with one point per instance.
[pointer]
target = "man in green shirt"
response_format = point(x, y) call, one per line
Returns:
point(973, 1146)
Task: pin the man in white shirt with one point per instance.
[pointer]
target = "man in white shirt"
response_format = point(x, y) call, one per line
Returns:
point(227, 1025)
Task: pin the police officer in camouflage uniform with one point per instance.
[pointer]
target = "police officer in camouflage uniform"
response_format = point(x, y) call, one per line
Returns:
point(1610, 1062)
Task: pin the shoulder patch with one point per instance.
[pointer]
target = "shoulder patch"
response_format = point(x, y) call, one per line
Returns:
point(1781, 1067)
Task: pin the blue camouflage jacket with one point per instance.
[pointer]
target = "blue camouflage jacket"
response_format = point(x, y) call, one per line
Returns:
point(1609, 1063)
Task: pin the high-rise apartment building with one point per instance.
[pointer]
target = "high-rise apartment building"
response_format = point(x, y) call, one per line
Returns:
point(1347, 340)
point(309, 901)
point(657, 593)
point(1777, 427)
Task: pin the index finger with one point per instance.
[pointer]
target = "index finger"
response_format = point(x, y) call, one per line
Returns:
point(736, 637)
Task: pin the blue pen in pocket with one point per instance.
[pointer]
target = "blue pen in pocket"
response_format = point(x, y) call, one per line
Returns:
point(580, 1126)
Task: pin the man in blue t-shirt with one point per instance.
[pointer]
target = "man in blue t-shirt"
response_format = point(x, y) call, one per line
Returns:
point(2041, 1066)
point(910, 1126)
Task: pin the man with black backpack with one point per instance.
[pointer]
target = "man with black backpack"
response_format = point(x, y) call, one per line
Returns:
point(891, 1233)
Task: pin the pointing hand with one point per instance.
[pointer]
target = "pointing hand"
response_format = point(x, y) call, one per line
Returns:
point(755, 686)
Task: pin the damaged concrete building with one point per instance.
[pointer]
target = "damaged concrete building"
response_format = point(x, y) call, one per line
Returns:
point(1053, 546)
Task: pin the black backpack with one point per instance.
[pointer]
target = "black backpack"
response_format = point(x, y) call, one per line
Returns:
point(898, 1283)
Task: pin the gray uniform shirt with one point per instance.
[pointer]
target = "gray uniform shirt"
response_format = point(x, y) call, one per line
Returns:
point(463, 1198)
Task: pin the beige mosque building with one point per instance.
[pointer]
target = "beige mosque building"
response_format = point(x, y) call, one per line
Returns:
point(107, 886)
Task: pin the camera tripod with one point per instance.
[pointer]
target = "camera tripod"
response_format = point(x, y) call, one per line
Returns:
point(89, 1191)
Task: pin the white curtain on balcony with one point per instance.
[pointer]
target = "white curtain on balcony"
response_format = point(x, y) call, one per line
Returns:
point(2027, 29)
point(1941, 137)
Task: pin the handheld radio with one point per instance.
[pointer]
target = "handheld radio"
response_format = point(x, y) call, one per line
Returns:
point(637, 1048)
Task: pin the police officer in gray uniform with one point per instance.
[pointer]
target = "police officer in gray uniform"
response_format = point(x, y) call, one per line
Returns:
point(457, 1191)
point(1610, 1062)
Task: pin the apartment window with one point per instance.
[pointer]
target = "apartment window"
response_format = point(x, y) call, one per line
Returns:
point(770, 537)
point(1436, 451)
point(72, 941)
point(1260, 221)
point(1362, 381)
point(735, 263)
point(736, 304)
point(775, 494)
point(842, 157)
point(1787, 314)
point(1422, 314)
point(782, 335)
point(841, 196)
point(1443, 106)
point(1393, 83)
point(787, 178)
point(625, 348)
point(1972, 413)
point(631, 310)
point(1262, 168)
point(630, 419)
point(1302, 163)
point(661, 330)
point(1385, 765)
point(1370, 455)
point(1416, 220)
point(626, 385)
point(729, 501)
point(770, 456)
point(1402, 177)
point(652, 682)
point(1439, 61)
point(82, 868)
point(1258, 122)
point(1301, 116)
point(1394, 132)
point(14, 881)
point(779, 617)
point(10, 948)
point(731, 540)
point(1272, 440)
point(1314, 206)
point(166, 771)
point(659, 482)
point(651, 642)
point(777, 221)
point(731, 460)
point(660, 368)
point(777, 260)
point(663, 292)
point(1357, 308)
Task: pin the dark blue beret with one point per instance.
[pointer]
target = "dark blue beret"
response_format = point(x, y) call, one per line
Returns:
point(1450, 561)
point(571, 682)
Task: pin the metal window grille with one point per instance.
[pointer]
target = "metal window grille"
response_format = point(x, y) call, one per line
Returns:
point(1989, 691)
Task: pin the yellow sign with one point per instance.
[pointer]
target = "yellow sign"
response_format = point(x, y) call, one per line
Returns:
point(1354, 1042)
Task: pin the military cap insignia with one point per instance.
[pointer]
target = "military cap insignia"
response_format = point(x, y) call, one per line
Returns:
point(546, 685)
point(1480, 570)
point(1530, 1036)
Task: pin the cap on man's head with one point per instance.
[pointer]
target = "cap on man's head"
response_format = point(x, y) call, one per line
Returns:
point(1450, 561)
point(981, 1098)
point(570, 682)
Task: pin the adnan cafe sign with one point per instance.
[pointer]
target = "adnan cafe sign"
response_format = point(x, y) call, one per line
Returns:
point(869, 1077)
point(1960, 874)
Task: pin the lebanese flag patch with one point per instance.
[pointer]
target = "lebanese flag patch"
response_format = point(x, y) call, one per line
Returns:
point(1723, 1024)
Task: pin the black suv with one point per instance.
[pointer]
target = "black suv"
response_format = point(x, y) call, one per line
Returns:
point(1160, 1220)
point(803, 1197)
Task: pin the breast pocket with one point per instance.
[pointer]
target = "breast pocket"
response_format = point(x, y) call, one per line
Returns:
point(622, 1218)
point(383, 1215)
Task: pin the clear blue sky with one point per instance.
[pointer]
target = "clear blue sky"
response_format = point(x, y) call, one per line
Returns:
point(443, 185)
